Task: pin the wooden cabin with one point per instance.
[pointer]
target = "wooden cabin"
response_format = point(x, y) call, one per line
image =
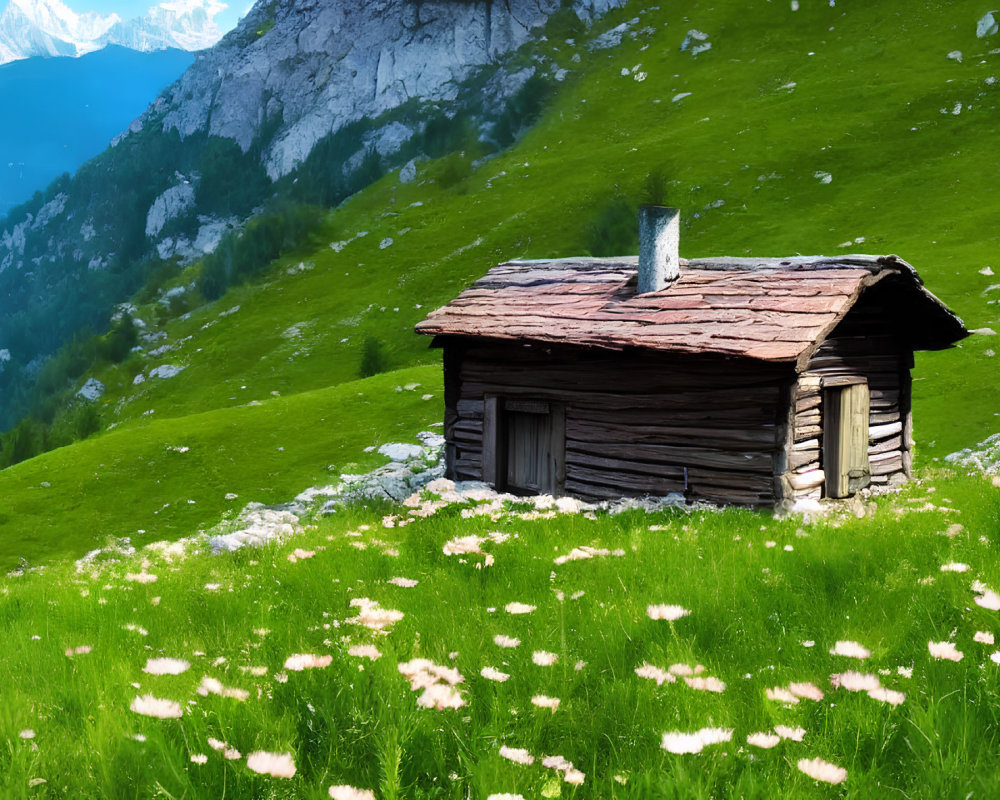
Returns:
point(749, 381)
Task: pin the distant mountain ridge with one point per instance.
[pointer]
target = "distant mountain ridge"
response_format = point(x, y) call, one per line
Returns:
point(70, 109)
point(50, 28)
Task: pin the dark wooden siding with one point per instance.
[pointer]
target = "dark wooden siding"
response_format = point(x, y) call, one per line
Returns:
point(636, 423)
point(863, 346)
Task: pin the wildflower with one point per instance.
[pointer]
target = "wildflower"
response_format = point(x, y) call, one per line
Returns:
point(199, 758)
point(763, 740)
point(299, 553)
point(301, 661)
point(140, 577)
point(166, 666)
point(684, 669)
point(518, 608)
point(808, 643)
point(505, 641)
point(372, 616)
point(139, 737)
point(82, 650)
point(794, 734)
point(544, 701)
point(849, 649)
point(543, 658)
point(364, 651)
point(257, 672)
point(439, 696)
point(654, 673)
point(579, 665)
point(781, 695)
point(502, 796)
point(492, 674)
point(855, 681)
point(666, 612)
point(709, 684)
point(954, 566)
point(212, 686)
point(989, 600)
point(518, 755)
point(944, 650)
point(350, 793)
point(277, 765)
point(574, 776)
point(821, 770)
point(27, 733)
point(155, 707)
point(983, 637)
point(808, 691)
point(906, 672)
point(889, 696)
point(680, 743)
point(557, 762)
point(405, 583)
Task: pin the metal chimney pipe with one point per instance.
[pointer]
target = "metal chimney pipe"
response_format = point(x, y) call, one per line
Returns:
point(659, 240)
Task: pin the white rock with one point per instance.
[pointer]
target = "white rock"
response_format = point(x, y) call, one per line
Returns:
point(408, 174)
point(987, 25)
point(398, 451)
point(165, 371)
point(823, 177)
point(955, 55)
point(169, 205)
point(91, 390)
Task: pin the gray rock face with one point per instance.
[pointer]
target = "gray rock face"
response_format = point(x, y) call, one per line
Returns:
point(319, 64)
point(169, 205)
point(91, 390)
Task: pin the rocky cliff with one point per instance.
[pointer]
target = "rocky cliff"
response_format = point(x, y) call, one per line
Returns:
point(316, 65)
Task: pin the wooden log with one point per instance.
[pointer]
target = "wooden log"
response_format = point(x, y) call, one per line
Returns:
point(893, 443)
point(626, 482)
point(808, 444)
point(877, 432)
point(807, 432)
point(885, 463)
point(679, 455)
point(807, 480)
point(800, 458)
point(491, 442)
point(762, 439)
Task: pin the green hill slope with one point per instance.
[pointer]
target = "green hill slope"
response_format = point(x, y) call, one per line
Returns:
point(823, 130)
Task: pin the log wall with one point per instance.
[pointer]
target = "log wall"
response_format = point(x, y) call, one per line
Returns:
point(636, 423)
point(862, 346)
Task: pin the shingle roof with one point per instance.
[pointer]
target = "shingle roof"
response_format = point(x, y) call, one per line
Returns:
point(764, 308)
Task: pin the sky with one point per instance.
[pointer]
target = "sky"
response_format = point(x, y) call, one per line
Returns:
point(128, 9)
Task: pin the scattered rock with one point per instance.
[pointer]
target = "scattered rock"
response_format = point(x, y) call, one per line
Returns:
point(984, 331)
point(408, 174)
point(91, 390)
point(165, 371)
point(823, 177)
point(256, 525)
point(955, 55)
point(695, 42)
point(987, 25)
point(401, 452)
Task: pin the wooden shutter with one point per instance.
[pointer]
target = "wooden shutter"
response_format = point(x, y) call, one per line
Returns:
point(845, 439)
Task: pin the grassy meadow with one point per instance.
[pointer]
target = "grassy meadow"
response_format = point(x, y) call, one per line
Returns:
point(270, 401)
point(767, 600)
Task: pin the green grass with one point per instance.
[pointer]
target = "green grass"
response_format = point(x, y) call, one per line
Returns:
point(357, 722)
point(136, 483)
point(866, 107)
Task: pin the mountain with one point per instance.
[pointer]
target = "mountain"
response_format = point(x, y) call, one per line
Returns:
point(69, 110)
point(305, 102)
point(50, 28)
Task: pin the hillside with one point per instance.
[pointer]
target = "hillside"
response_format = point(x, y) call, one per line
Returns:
point(462, 646)
point(740, 149)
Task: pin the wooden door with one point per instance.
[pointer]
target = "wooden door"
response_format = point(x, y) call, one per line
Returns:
point(845, 439)
point(530, 448)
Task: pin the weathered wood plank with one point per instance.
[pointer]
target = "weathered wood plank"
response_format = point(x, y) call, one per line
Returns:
point(679, 455)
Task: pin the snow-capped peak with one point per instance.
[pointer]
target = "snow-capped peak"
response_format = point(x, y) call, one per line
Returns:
point(50, 28)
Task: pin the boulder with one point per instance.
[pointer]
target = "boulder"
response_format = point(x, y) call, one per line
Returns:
point(91, 390)
point(988, 24)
